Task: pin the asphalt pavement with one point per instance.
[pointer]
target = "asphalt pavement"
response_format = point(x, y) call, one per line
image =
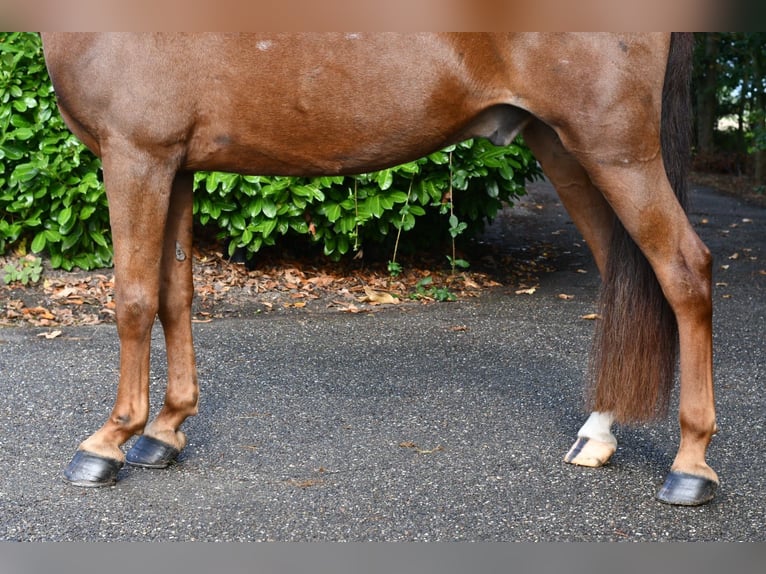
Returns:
point(435, 422)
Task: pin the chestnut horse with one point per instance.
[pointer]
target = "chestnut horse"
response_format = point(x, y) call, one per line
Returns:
point(606, 115)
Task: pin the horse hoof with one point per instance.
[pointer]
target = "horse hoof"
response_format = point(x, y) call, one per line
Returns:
point(589, 452)
point(685, 489)
point(91, 470)
point(149, 452)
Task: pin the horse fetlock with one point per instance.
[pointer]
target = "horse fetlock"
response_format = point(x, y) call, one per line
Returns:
point(126, 425)
point(172, 437)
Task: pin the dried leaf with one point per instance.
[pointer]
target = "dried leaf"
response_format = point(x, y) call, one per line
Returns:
point(39, 312)
point(529, 291)
point(565, 297)
point(322, 280)
point(347, 308)
point(378, 297)
point(591, 316)
point(49, 334)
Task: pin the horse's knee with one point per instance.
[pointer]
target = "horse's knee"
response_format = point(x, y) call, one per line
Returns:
point(135, 310)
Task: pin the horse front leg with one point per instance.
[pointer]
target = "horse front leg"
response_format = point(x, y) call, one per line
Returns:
point(138, 193)
point(162, 441)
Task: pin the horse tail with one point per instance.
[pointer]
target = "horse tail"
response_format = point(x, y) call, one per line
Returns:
point(636, 342)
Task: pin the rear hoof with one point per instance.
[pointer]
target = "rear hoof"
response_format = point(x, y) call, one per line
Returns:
point(589, 452)
point(92, 470)
point(685, 489)
point(149, 452)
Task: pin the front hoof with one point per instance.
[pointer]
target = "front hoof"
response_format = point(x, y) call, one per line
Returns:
point(149, 452)
point(91, 470)
point(685, 489)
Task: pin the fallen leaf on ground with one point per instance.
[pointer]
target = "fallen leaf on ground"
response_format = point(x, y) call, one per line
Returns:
point(40, 312)
point(346, 307)
point(591, 316)
point(378, 297)
point(412, 445)
point(49, 334)
point(529, 291)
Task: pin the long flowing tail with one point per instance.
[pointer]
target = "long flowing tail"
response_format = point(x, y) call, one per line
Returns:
point(636, 343)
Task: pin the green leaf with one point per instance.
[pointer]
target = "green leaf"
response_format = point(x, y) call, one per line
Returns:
point(22, 134)
point(98, 238)
point(38, 243)
point(64, 216)
point(269, 208)
point(373, 205)
point(493, 190)
point(86, 211)
point(237, 221)
point(266, 227)
point(24, 172)
point(384, 179)
point(332, 211)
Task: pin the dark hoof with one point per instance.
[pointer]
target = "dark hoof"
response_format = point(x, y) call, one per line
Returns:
point(92, 470)
point(687, 489)
point(149, 452)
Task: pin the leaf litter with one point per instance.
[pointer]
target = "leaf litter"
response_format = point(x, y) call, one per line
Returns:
point(223, 288)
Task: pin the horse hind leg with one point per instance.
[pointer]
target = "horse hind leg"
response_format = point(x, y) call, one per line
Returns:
point(646, 205)
point(161, 442)
point(594, 218)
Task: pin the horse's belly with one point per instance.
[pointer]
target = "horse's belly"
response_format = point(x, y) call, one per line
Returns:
point(313, 105)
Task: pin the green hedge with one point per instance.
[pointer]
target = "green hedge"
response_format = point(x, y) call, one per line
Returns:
point(52, 199)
